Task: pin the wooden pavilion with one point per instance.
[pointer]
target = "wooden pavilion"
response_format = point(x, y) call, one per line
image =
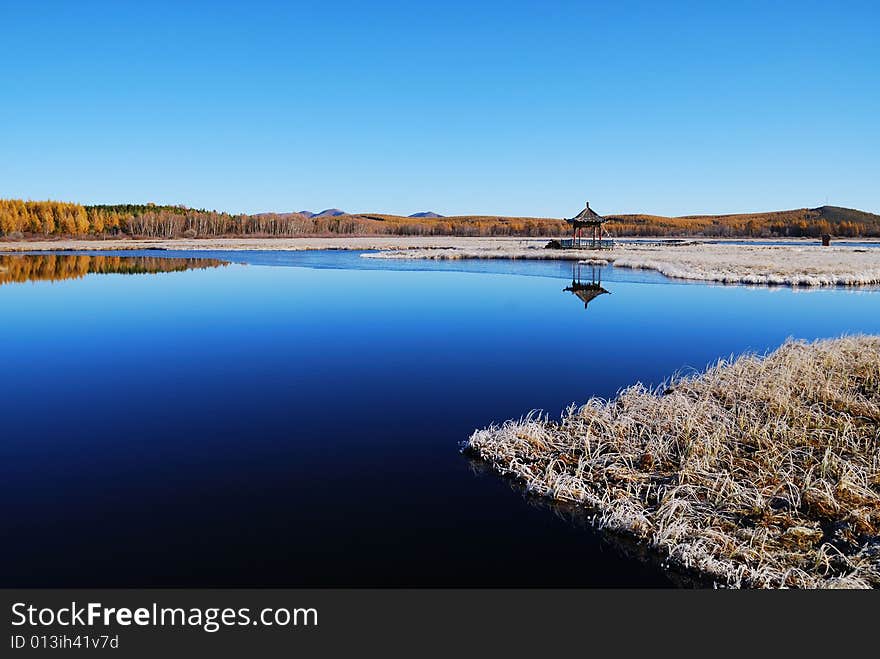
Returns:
point(591, 220)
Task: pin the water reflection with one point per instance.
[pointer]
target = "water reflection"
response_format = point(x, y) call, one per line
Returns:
point(18, 268)
point(586, 283)
point(583, 518)
point(205, 416)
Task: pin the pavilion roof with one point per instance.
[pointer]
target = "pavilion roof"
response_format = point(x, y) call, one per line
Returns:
point(588, 215)
point(586, 292)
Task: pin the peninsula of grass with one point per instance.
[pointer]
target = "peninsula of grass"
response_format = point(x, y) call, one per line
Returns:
point(761, 472)
point(796, 265)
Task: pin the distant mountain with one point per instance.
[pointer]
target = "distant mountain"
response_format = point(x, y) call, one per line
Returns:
point(20, 219)
point(329, 212)
point(284, 215)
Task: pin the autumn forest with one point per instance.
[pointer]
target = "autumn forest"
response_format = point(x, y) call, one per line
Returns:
point(23, 219)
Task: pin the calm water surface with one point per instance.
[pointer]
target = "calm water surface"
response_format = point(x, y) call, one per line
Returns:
point(293, 419)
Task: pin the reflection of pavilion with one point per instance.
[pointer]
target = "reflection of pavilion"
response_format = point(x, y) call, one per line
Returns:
point(586, 288)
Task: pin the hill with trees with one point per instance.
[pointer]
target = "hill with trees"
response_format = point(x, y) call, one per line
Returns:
point(802, 222)
point(21, 219)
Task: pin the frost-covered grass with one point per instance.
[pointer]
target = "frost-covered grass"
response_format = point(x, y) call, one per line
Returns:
point(787, 265)
point(760, 264)
point(759, 472)
point(795, 264)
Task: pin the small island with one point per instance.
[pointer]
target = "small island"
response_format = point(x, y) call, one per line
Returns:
point(760, 472)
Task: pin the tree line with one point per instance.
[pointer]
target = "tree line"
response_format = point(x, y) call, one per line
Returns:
point(53, 218)
point(799, 223)
point(20, 218)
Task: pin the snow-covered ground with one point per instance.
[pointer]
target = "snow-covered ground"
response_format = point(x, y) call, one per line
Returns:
point(797, 264)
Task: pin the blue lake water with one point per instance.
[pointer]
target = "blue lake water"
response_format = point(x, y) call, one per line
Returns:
point(294, 418)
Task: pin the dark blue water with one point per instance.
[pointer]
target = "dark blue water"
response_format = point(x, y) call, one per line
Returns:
point(293, 419)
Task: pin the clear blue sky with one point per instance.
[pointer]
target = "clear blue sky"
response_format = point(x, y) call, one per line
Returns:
point(518, 108)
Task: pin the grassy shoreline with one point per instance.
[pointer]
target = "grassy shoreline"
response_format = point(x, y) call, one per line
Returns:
point(797, 263)
point(759, 472)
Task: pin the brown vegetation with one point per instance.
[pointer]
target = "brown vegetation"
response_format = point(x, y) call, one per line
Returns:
point(803, 222)
point(44, 218)
point(760, 472)
point(51, 218)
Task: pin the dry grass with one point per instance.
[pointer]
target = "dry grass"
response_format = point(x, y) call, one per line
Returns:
point(759, 472)
point(796, 264)
point(771, 265)
point(280, 244)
